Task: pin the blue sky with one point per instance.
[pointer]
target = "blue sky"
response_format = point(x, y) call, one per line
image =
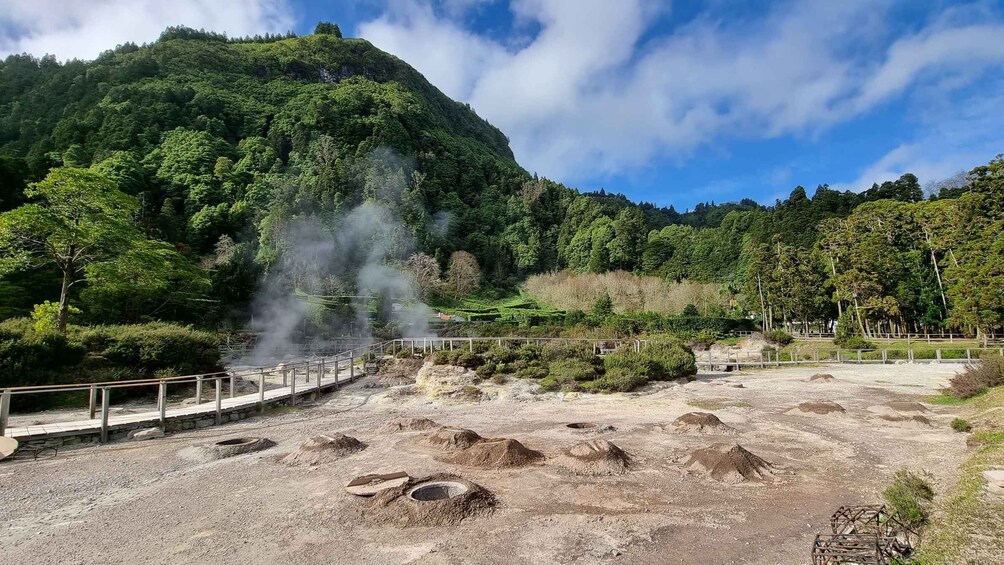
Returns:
point(669, 102)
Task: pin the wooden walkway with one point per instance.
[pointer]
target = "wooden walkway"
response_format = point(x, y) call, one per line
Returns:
point(218, 409)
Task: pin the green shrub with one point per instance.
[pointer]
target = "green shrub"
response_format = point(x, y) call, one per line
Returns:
point(29, 357)
point(556, 350)
point(625, 361)
point(780, 337)
point(960, 425)
point(147, 348)
point(532, 372)
point(706, 337)
point(441, 358)
point(568, 370)
point(45, 316)
point(909, 496)
point(499, 379)
point(615, 382)
point(854, 342)
point(487, 370)
point(670, 359)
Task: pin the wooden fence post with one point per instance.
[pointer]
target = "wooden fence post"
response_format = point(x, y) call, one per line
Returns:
point(198, 389)
point(261, 391)
point(292, 388)
point(4, 410)
point(92, 402)
point(219, 400)
point(937, 355)
point(352, 368)
point(231, 386)
point(105, 401)
point(162, 402)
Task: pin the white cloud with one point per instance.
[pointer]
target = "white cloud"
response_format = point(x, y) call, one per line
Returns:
point(83, 29)
point(592, 93)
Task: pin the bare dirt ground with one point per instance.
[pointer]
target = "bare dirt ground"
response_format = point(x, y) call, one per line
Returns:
point(154, 502)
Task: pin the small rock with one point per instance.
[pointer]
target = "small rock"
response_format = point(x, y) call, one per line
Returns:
point(149, 433)
point(737, 385)
point(995, 481)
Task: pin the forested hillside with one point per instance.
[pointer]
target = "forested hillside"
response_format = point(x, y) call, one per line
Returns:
point(225, 149)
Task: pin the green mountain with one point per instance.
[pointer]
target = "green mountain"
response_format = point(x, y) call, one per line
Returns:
point(247, 155)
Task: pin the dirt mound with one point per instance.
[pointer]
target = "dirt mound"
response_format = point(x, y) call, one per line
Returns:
point(819, 407)
point(904, 418)
point(452, 439)
point(821, 378)
point(323, 449)
point(730, 463)
point(887, 413)
point(449, 506)
point(595, 457)
point(702, 422)
point(906, 406)
point(498, 453)
point(408, 425)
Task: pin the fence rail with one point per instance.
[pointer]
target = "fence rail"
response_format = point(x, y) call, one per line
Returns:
point(708, 359)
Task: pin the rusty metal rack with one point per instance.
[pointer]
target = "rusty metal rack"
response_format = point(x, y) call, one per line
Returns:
point(859, 549)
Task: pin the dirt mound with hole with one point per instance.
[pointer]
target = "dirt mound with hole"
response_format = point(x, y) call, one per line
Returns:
point(819, 407)
point(394, 506)
point(906, 406)
point(822, 378)
point(452, 439)
point(324, 448)
point(595, 457)
point(702, 422)
point(889, 414)
point(225, 448)
point(408, 425)
point(496, 453)
point(730, 463)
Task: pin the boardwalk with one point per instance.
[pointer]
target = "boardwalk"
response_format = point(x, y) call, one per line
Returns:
point(222, 409)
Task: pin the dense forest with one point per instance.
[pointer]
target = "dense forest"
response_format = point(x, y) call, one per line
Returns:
point(176, 180)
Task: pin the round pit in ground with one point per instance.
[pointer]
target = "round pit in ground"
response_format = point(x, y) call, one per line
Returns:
point(238, 446)
point(437, 490)
point(581, 425)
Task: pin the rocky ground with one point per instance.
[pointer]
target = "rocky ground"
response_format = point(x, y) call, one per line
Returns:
point(159, 502)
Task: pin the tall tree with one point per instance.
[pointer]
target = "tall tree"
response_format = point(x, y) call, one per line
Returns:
point(76, 217)
point(463, 274)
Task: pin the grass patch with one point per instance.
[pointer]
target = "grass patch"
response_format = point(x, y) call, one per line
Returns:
point(965, 517)
point(945, 399)
point(717, 403)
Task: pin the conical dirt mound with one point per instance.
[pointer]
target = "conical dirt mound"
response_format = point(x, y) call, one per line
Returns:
point(323, 449)
point(500, 453)
point(702, 422)
point(408, 425)
point(821, 378)
point(394, 506)
point(730, 463)
point(595, 457)
point(821, 407)
point(452, 439)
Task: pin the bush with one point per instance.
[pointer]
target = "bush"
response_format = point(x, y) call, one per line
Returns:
point(568, 370)
point(910, 495)
point(532, 372)
point(615, 382)
point(780, 337)
point(960, 425)
point(670, 359)
point(458, 358)
point(854, 342)
point(29, 357)
point(147, 348)
point(625, 361)
point(556, 350)
point(706, 337)
point(487, 370)
point(978, 377)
